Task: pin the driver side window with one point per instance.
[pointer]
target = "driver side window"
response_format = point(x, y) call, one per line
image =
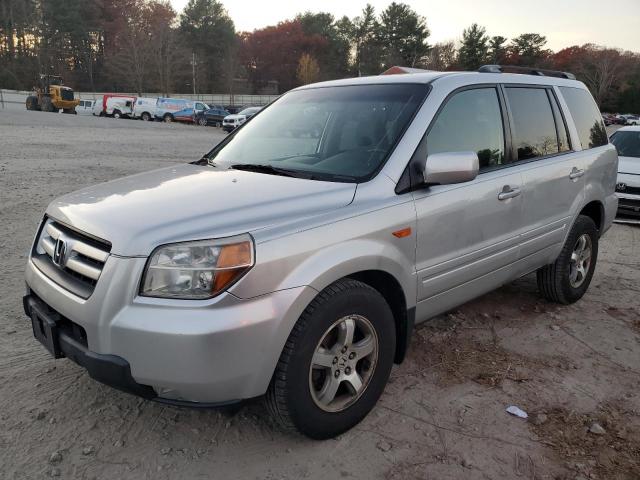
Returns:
point(471, 120)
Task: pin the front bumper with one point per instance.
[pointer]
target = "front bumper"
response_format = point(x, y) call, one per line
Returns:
point(628, 203)
point(205, 351)
point(50, 328)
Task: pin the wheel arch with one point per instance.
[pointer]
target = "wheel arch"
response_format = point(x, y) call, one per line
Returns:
point(595, 211)
point(404, 318)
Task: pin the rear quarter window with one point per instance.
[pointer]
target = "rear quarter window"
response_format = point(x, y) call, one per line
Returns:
point(586, 117)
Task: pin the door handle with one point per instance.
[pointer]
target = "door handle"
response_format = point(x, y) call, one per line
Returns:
point(576, 173)
point(508, 192)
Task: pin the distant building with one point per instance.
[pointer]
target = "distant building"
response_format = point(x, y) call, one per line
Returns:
point(396, 70)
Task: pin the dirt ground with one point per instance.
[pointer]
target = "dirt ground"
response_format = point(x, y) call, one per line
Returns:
point(441, 417)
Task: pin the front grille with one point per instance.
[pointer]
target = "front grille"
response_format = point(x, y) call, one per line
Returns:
point(628, 190)
point(628, 207)
point(70, 258)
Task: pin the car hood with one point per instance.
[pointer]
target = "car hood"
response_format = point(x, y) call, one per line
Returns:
point(629, 165)
point(235, 117)
point(190, 202)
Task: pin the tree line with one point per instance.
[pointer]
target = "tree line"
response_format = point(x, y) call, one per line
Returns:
point(146, 46)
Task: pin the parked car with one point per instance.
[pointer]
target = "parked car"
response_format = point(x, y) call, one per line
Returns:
point(115, 106)
point(608, 119)
point(620, 119)
point(178, 110)
point(232, 122)
point(144, 108)
point(294, 262)
point(632, 119)
point(213, 116)
point(627, 142)
point(85, 107)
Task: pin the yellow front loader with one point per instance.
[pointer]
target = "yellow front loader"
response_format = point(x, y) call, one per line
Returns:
point(52, 96)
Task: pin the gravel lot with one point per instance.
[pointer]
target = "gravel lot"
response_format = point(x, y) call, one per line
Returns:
point(442, 415)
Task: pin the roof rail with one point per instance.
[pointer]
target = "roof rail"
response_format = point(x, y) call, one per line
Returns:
point(525, 71)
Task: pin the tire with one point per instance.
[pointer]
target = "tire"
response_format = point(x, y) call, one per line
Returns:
point(297, 396)
point(202, 121)
point(567, 279)
point(145, 117)
point(168, 118)
point(32, 103)
point(47, 106)
point(116, 114)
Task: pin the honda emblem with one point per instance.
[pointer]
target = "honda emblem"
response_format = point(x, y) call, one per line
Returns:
point(59, 252)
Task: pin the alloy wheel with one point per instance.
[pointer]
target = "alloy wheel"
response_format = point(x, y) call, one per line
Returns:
point(343, 363)
point(580, 260)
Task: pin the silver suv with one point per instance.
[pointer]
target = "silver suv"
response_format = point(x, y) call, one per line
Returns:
point(295, 258)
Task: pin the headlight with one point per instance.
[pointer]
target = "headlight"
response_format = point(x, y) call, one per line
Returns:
point(196, 270)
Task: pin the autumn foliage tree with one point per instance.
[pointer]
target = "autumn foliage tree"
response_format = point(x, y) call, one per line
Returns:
point(308, 69)
point(272, 53)
point(145, 46)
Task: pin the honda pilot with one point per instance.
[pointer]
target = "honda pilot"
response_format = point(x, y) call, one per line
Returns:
point(293, 260)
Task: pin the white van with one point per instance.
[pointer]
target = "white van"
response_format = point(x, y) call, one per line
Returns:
point(85, 107)
point(115, 106)
point(145, 108)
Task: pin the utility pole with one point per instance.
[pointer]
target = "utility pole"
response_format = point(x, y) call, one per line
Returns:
point(193, 69)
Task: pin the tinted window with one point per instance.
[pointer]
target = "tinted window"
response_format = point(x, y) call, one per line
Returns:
point(534, 129)
point(627, 143)
point(586, 117)
point(470, 121)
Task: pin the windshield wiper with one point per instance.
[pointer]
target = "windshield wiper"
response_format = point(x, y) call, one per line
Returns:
point(268, 169)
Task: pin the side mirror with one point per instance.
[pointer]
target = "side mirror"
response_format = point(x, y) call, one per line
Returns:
point(451, 167)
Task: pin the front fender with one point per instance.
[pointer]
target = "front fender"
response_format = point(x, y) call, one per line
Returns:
point(317, 257)
point(338, 261)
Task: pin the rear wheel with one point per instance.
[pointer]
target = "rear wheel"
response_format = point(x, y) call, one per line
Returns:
point(145, 117)
point(202, 121)
point(117, 114)
point(567, 279)
point(168, 118)
point(336, 361)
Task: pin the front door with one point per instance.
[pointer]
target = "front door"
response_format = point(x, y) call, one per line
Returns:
point(468, 233)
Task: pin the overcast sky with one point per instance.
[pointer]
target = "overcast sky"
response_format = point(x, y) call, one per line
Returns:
point(564, 22)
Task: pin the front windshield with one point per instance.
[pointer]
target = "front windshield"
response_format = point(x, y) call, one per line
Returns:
point(627, 143)
point(330, 133)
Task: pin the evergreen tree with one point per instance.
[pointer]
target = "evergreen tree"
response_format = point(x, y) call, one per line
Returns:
point(403, 34)
point(497, 50)
point(475, 48)
point(209, 33)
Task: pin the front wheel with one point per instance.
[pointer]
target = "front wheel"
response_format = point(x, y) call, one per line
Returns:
point(116, 114)
point(567, 279)
point(145, 117)
point(336, 361)
point(167, 118)
point(202, 122)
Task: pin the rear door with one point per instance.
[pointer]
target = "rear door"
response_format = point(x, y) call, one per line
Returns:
point(468, 233)
point(552, 173)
